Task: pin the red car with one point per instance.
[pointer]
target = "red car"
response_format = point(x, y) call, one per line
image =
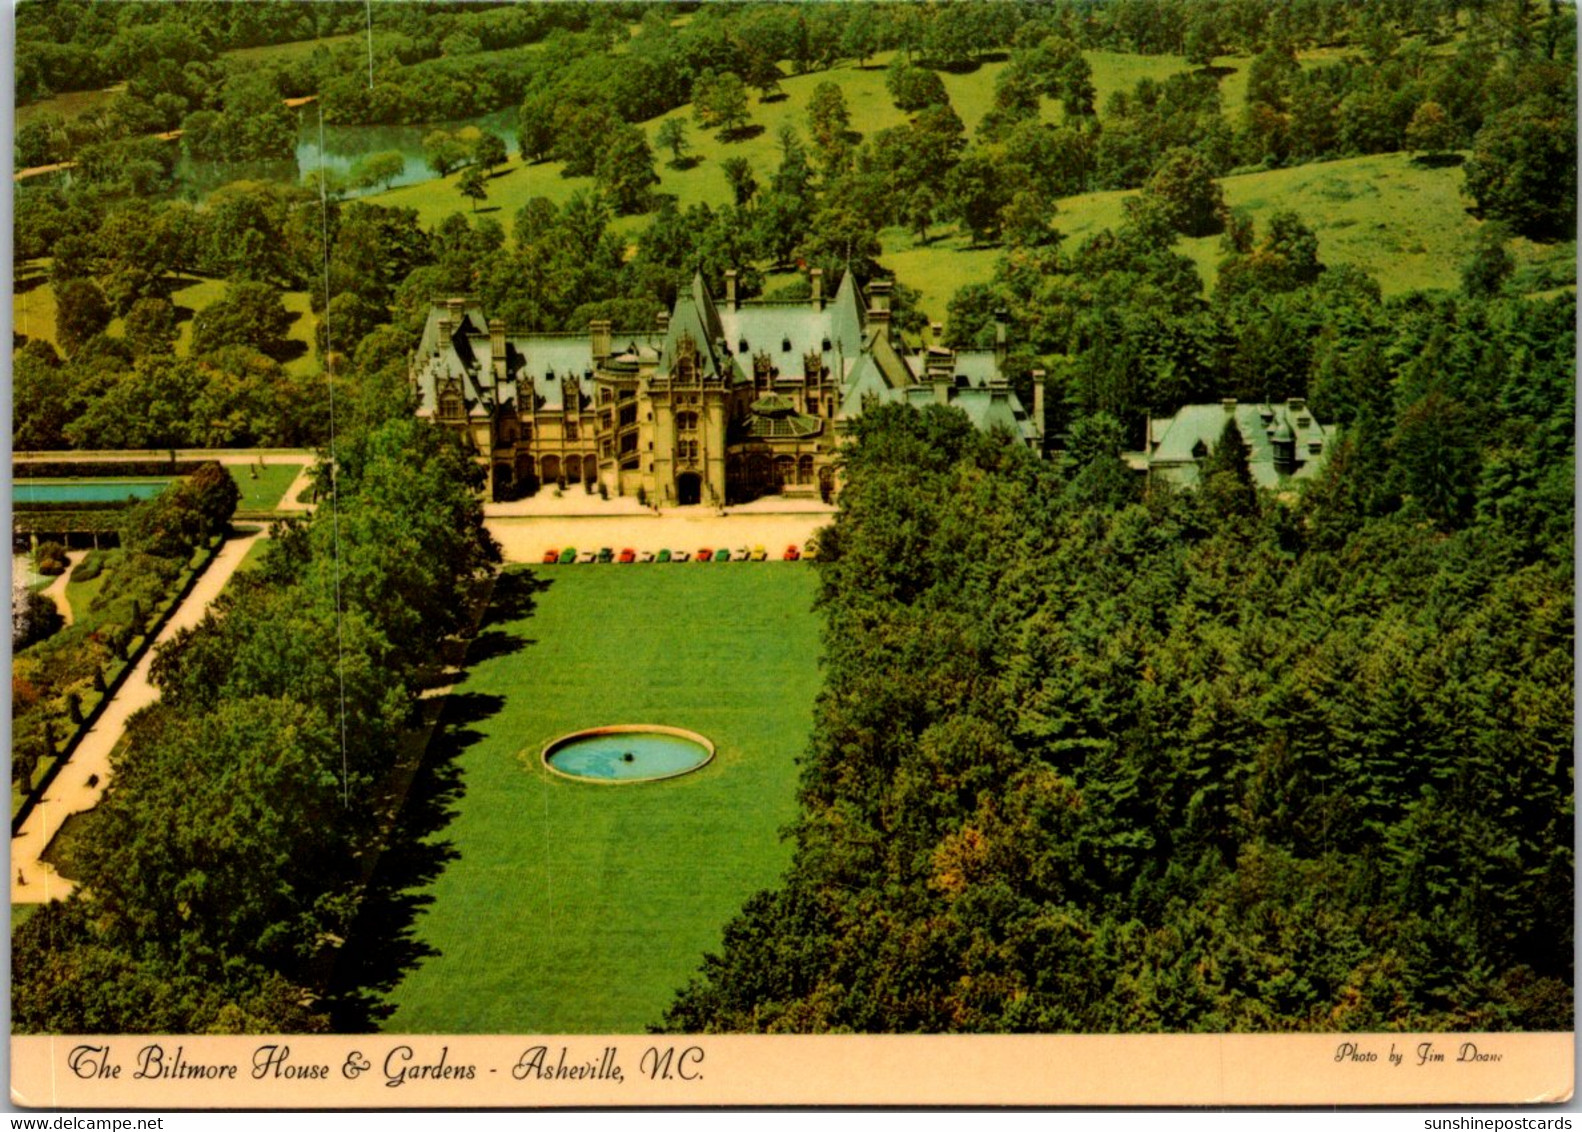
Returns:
point(551, 557)
point(627, 556)
point(792, 553)
point(706, 555)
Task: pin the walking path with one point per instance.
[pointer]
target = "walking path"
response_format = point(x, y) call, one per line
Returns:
point(288, 501)
point(56, 590)
point(72, 792)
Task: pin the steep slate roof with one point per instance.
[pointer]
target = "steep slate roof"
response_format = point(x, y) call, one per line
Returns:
point(534, 363)
point(789, 330)
point(864, 360)
point(1175, 452)
point(975, 389)
point(696, 315)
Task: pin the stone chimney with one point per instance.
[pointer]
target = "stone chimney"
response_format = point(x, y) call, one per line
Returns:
point(445, 329)
point(1039, 377)
point(663, 321)
point(730, 288)
point(941, 387)
point(816, 277)
point(999, 341)
point(497, 348)
point(599, 335)
point(879, 308)
point(457, 308)
point(1228, 404)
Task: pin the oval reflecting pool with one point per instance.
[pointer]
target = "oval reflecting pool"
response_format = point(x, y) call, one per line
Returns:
point(628, 753)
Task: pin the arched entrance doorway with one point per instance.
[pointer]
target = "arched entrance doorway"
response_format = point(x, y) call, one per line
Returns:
point(689, 489)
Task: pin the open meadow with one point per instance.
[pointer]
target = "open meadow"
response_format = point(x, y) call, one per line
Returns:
point(1403, 222)
point(564, 906)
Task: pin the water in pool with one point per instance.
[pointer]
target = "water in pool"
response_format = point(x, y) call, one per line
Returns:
point(86, 491)
point(627, 755)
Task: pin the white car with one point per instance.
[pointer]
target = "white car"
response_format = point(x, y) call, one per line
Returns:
point(645, 556)
point(587, 556)
point(681, 556)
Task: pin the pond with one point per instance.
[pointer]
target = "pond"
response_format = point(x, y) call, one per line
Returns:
point(343, 147)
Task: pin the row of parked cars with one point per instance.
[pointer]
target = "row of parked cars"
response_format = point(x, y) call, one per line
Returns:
point(567, 555)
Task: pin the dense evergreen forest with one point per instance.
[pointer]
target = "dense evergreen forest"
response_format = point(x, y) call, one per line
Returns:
point(1097, 758)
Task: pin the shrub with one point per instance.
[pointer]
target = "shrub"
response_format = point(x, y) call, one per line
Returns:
point(91, 566)
point(33, 618)
point(50, 559)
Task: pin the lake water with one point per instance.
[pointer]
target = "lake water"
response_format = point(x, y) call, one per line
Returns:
point(343, 147)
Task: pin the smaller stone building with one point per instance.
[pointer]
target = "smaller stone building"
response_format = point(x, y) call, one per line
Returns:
point(1285, 441)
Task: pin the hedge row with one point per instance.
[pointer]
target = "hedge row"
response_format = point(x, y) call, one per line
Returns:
point(115, 469)
point(74, 507)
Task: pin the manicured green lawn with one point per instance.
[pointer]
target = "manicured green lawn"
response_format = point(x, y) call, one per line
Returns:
point(580, 907)
point(266, 490)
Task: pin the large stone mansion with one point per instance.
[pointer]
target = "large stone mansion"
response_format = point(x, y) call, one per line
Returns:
point(714, 404)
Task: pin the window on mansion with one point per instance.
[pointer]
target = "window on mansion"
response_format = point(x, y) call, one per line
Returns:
point(450, 405)
point(686, 422)
point(572, 431)
point(686, 450)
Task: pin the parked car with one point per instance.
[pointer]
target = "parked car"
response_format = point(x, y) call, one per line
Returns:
point(568, 556)
point(792, 553)
point(664, 556)
point(627, 557)
point(551, 557)
point(606, 554)
point(759, 554)
point(587, 556)
point(740, 554)
point(722, 555)
point(679, 556)
point(706, 554)
point(810, 548)
point(645, 556)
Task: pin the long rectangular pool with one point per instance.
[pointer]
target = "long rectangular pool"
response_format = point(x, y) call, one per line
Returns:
point(86, 491)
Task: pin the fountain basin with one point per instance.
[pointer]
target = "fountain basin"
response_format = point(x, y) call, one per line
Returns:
point(627, 752)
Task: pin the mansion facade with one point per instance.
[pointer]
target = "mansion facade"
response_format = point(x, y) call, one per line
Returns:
point(715, 404)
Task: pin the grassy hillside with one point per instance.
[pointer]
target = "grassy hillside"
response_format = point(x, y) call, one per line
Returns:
point(33, 312)
point(872, 110)
point(1404, 223)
